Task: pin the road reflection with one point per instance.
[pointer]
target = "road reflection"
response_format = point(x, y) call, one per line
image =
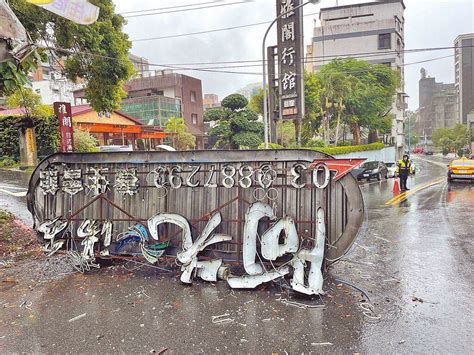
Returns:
point(460, 192)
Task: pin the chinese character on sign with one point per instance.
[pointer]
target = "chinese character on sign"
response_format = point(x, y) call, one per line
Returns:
point(97, 181)
point(49, 181)
point(288, 32)
point(287, 8)
point(287, 56)
point(64, 113)
point(72, 181)
point(126, 181)
point(76, 9)
point(67, 121)
point(289, 81)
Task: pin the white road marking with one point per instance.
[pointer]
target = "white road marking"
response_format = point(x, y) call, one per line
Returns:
point(16, 194)
point(13, 187)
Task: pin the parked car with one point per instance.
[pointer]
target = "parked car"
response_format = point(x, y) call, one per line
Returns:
point(461, 169)
point(371, 170)
point(391, 169)
point(428, 152)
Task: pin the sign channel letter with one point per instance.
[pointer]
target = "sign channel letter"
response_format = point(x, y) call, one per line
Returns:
point(208, 270)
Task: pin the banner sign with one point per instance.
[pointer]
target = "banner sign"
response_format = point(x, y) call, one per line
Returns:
point(79, 11)
point(245, 217)
point(62, 110)
point(290, 58)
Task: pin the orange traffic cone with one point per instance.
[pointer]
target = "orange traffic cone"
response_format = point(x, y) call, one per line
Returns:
point(396, 186)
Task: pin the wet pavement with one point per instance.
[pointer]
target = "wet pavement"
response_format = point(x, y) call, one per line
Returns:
point(13, 188)
point(414, 263)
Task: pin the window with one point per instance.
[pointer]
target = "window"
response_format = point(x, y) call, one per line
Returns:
point(193, 96)
point(194, 118)
point(384, 41)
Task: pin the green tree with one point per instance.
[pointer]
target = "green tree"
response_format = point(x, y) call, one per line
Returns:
point(84, 142)
point(30, 101)
point(311, 121)
point(451, 139)
point(15, 75)
point(180, 137)
point(234, 102)
point(286, 133)
point(355, 93)
point(236, 125)
point(96, 53)
point(256, 102)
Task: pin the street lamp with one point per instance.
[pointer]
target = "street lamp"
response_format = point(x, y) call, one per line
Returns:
point(266, 119)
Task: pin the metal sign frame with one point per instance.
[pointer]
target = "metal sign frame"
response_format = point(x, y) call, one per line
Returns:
point(199, 191)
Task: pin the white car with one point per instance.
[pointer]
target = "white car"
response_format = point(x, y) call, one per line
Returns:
point(392, 168)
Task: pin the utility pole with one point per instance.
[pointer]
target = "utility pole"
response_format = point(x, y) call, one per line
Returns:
point(409, 134)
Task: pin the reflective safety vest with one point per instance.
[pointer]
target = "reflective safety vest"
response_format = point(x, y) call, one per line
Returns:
point(404, 167)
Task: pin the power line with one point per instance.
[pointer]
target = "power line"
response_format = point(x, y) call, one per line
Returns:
point(168, 7)
point(200, 32)
point(211, 31)
point(326, 58)
point(217, 69)
point(183, 10)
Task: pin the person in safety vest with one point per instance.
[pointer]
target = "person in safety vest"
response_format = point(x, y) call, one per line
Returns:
point(404, 169)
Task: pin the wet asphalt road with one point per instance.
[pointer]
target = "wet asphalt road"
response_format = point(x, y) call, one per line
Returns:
point(415, 263)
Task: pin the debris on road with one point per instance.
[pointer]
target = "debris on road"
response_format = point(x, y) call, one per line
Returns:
point(299, 304)
point(221, 319)
point(77, 318)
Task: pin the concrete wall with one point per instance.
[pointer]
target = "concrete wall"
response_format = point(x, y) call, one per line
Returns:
point(385, 155)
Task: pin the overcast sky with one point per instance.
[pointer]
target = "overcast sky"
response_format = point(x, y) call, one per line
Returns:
point(429, 23)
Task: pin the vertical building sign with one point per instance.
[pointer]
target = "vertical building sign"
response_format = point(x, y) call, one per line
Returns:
point(62, 111)
point(290, 51)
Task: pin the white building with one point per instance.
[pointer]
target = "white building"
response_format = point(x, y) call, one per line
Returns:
point(370, 31)
point(49, 82)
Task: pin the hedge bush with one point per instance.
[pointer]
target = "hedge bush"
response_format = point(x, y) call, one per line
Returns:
point(47, 136)
point(349, 149)
point(333, 150)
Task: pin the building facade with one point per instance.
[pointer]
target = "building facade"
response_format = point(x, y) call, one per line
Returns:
point(369, 31)
point(140, 64)
point(117, 128)
point(49, 82)
point(167, 94)
point(210, 101)
point(154, 98)
point(437, 105)
point(464, 74)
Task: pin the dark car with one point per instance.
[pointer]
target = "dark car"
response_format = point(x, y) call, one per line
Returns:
point(428, 152)
point(371, 170)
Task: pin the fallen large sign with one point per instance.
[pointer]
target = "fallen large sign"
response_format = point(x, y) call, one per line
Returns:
point(247, 217)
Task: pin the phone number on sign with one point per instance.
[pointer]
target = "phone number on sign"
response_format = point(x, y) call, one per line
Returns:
point(244, 176)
